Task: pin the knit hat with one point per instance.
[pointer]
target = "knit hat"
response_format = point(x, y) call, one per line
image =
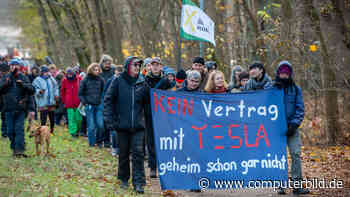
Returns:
point(44, 69)
point(284, 69)
point(4, 67)
point(199, 60)
point(69, 70)
point(180, 76)
point(14, 62)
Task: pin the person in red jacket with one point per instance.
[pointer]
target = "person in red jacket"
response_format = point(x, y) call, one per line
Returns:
point(70, 99)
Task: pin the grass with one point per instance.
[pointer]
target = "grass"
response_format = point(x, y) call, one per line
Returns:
point(73, 169)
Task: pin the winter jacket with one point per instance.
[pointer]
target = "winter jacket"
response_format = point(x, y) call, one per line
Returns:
point(152, 80)
point(69, 92)
point(50, 88)
point(253, 84)
point(125, 101)
point(293, 100)
point(91, 90)
point(107, 74)
point(16, 96)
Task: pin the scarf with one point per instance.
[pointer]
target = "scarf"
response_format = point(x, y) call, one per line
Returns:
point(220, 90)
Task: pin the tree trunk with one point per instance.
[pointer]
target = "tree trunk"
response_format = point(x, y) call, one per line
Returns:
point(330, 94)
point(81, 49)
point(50, 41)
point(117, 30)
point(93, 30)
point(100, 25)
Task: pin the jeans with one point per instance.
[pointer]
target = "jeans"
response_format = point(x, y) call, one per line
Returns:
point(152, 163)
point(294, 144)
point(3, 125)
point(15, 130)
point(94, 120)
point(133, 143)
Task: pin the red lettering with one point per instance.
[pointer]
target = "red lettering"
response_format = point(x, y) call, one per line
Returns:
point(261, 128)
point(170, 111)
point(200, 129)
point(158, 102)
point(216, 126)
point(219, 147)
point(234, 137)
point(189, 109)
point(246, 138)
point(218, 137)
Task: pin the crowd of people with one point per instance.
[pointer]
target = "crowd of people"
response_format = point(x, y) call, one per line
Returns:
point(110, 104)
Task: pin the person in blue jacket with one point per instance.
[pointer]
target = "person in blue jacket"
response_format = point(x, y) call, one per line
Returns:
point(294, 108)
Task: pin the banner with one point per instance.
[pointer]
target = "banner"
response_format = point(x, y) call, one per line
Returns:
point(204, 139)
point(195, 24)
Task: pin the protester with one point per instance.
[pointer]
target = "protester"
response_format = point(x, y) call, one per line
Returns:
point(4, 69)
point(90, 94)
point(235, 81)
point(46, 96)
point(70, 99)
point(170, 75)
point(198, 64)
point(243, 79)
point(153, 79)
point(146, 66)
point(17, 96)
point(210, 66)
point(179, 78)
point(107, 73)
point(114, 135)
point(216, 83)
point(192, 83)
point(124, 102)
point(53, 70)
point(34, 73)
point(294, 109)
point(258, 78)
point(60, 110)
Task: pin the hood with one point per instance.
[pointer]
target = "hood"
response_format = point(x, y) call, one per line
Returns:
point(285, 63)
point(127, 63)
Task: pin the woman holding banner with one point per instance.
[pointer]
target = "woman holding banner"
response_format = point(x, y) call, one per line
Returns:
point(216, 83)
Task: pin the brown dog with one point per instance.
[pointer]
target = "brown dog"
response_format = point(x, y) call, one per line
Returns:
point(42, 136)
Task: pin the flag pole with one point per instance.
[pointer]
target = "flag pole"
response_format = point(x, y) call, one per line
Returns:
point(201, 43)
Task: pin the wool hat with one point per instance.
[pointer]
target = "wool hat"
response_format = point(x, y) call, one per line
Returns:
point(44, 69)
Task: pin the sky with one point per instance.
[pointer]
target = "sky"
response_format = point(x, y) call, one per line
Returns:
point(8, 32)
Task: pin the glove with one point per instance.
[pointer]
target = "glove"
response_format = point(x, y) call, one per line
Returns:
point(292, 129)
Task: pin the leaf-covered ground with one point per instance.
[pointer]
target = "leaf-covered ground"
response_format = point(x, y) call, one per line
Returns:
point(74, 169)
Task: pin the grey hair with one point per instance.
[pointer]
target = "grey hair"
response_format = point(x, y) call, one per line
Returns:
point(193, 74)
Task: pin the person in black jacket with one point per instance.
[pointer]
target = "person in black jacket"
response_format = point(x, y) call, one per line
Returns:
point(4, 68)
point(153, 80)
point(124, 103)
point(107, 72)
point(90, 95)
point(17, 95)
